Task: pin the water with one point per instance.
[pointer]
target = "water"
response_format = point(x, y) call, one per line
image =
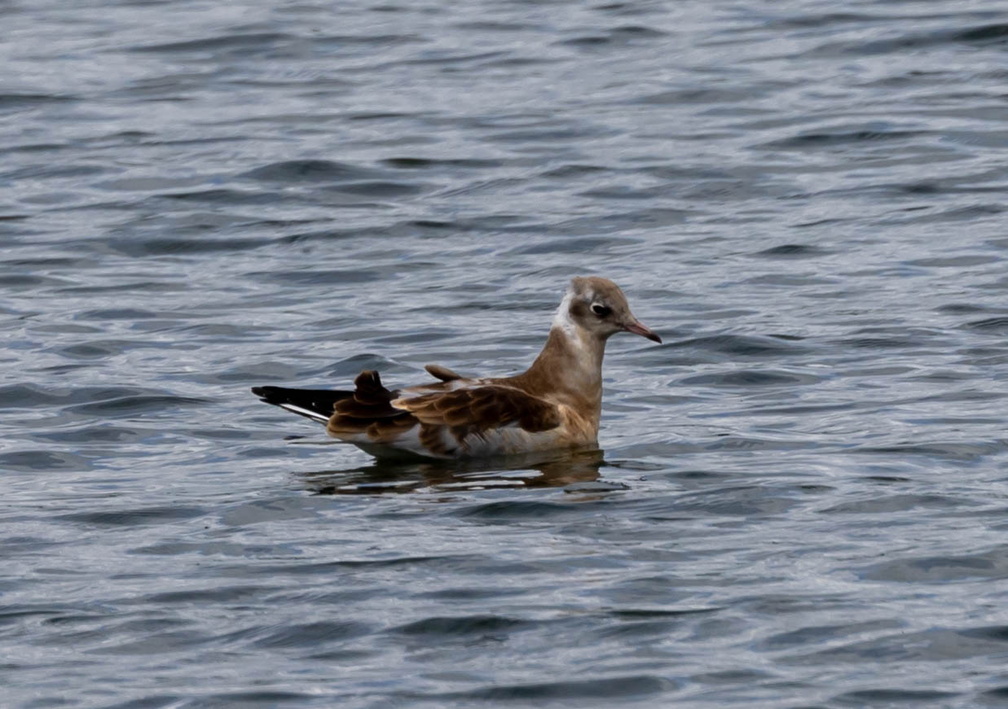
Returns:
point(801, 500)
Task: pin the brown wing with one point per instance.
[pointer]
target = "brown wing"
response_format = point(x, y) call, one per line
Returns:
point(480, 409)
point(369, 410)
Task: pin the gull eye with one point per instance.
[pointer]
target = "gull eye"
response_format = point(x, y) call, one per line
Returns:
point(601, 310)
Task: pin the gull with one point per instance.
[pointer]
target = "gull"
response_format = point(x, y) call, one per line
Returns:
point(555, 404)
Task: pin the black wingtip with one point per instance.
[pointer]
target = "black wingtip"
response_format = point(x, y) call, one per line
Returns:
point(272, 395)
point(316, 404)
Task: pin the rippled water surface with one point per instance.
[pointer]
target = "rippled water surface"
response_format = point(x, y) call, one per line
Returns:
point(802, 496)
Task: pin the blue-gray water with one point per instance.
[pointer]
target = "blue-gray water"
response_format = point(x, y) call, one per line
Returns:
point(802, 500)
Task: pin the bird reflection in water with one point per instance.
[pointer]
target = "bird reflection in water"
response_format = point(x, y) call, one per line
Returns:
point(576, 470)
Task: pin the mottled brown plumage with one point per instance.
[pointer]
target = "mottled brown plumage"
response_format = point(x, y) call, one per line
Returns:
point(556, 403)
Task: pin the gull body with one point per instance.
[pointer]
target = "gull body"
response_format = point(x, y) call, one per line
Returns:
point(555, 404)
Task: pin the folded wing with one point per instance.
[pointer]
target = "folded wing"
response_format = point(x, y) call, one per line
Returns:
point(479, 409)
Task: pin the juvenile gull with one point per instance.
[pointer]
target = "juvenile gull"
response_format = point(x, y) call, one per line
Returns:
point(555, 404)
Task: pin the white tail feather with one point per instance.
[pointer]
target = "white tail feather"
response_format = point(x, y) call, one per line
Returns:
point(313, 415)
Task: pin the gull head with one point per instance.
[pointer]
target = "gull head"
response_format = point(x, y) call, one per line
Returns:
point(597, 307)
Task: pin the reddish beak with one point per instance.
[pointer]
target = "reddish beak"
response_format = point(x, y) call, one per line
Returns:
point(639, 328)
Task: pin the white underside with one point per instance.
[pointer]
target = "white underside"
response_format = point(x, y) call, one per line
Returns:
point(508, 440)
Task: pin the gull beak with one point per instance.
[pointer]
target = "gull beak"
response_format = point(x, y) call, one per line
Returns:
point(639, 328)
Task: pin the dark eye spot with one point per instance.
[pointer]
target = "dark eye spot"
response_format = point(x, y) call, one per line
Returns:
point(601, 310)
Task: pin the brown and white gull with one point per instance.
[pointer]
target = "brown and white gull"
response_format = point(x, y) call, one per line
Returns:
point(555, 404)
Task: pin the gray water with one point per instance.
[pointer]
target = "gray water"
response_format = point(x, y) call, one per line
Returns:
point(802, 496)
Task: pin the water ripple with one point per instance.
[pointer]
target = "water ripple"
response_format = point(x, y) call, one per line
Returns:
point(799, 497)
